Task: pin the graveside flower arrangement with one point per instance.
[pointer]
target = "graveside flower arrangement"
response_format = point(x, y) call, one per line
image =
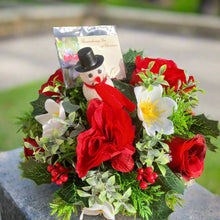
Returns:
point(109, 160)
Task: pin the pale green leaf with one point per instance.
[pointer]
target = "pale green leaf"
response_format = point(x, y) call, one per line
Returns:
point(162, 169)
point(83, 194)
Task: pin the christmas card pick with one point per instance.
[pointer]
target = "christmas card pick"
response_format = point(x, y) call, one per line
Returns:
point(102, 39)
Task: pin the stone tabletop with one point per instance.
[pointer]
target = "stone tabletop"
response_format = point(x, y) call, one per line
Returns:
point(22, 199)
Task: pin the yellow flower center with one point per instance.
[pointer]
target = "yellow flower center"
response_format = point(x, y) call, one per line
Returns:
point(55, 114)
point(150, 111)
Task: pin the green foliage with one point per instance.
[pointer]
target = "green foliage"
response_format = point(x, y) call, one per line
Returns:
point(76, 97)
point(181, 118)
point(69, 107)
point(129, 61)
point(206, 127)
point(173, 199)
point(160, 210)
point(62, 209)
point(68, 192)
point(153, 150)
point(29, 126)
point(171, 182)
point(126, 89)
point(150, 79)
point(35, 171)
point(38, 104)
point(141, 199)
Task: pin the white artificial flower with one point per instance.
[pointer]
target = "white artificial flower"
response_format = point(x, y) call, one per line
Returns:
point(153, 110)
point(47, 120)
point(106, 209)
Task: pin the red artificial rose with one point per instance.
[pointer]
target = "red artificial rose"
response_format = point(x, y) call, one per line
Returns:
point(58, 76)
point(29, 152)
point(172, 74)
point(110, 138)
point(188, 156)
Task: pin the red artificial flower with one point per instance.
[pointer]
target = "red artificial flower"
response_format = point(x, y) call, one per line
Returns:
point(29, 152)
point(110, 138)
point(58, 76)
point(172, 74)
point(188, 156)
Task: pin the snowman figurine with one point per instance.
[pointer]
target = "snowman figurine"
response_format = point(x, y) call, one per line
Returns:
point(92, 72)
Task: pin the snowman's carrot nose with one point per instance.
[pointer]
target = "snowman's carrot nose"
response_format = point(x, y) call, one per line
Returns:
point(97, 79)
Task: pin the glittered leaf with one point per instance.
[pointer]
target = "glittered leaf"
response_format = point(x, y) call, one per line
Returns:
point(126, 89)
point(160, 210)
point(38, 105)
point(129, 61)
point(35, 171)
point(68, 106)
point(210, 145)
point(205, 126)
point(68, 192)
point(171, 182)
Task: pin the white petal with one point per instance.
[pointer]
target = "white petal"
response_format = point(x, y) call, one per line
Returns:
point(166, 104)
point(62, 112)
point(156, 93)
point(43, 119)
point(51, 106)
point(150, 130)
point(107, 210)
point(167, 127)
point(140, 115)
point(49, 128)
point(137, 91)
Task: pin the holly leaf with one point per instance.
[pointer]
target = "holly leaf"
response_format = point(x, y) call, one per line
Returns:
point(210, 145)
point(68, 192)
point(160, 210)
point(38, 105)
point(35, 171)
point(126, 89)
point(205, 126)
point(129, 61)
point(69, 107)
point(171, 182)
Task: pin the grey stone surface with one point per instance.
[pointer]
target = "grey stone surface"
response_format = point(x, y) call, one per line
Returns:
point(22, 199)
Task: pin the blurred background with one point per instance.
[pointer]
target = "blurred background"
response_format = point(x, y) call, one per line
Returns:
point(186, 31)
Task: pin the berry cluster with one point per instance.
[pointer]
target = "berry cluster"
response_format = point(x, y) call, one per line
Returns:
point(146, 174)
point(59, 173)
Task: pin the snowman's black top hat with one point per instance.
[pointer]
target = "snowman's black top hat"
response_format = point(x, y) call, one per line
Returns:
point(87, 60)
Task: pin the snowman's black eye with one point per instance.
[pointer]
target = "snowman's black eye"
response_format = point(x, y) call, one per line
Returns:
point(99, 71)
point(90, 75)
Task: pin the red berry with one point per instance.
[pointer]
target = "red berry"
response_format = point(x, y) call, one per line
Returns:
point(75, 57)
point(140, 171)
point(62, 169)
point(150, 178)
point(67, 57)
point(58, 164)
point(155, 175)
point(148, 170)
point(143, 185)
point(54, 172)
point(59, 182)
point(64, 177)
point(50, 168)
point(139, 177)
point(53, 179)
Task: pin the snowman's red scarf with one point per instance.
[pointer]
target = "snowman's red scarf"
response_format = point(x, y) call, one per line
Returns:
point(112, 96)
